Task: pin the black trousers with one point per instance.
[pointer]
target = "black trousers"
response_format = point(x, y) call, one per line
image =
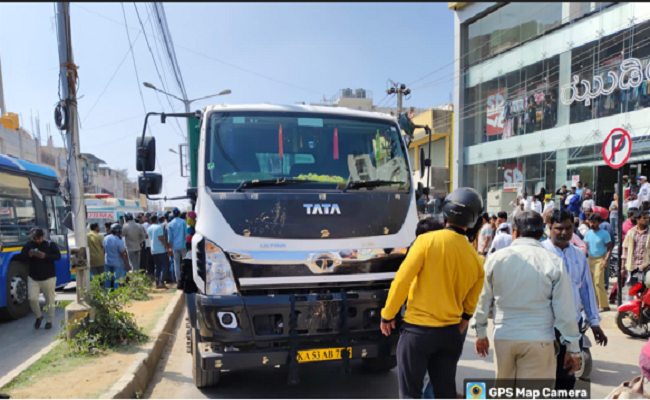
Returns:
point(436, 350)
point(562, 378)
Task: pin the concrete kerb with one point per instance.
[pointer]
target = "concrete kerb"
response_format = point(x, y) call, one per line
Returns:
point(141, 371)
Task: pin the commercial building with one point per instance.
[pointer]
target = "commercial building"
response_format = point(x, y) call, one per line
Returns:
point(539, 86)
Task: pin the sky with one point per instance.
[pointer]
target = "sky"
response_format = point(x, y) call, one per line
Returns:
point(280, 53)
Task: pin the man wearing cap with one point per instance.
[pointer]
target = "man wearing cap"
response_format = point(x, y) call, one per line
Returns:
point(588, 202)
point(133, 235)
point(502, 239)
point(549, 204)
point(176, 232)
point(644, 192)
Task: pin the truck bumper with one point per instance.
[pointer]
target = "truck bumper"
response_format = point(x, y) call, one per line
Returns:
point(233, 361)
point(267, 327)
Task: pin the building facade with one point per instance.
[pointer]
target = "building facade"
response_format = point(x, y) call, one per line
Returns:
point(538, 88)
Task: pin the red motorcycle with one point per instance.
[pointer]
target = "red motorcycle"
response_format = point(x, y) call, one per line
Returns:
point(634, 315)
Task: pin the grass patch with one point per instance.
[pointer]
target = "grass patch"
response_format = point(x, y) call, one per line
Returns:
point(58, 360)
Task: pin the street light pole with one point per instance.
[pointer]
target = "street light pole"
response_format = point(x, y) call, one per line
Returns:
point(192, 143)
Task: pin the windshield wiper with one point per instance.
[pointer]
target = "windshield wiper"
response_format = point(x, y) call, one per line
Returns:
point(368, 184)
point(271, 182)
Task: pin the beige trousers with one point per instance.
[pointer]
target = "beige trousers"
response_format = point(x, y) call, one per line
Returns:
point(34, 288)
point(521, 360)
point(598, 279)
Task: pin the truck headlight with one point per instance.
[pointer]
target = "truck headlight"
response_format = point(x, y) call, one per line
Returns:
point(219, 277)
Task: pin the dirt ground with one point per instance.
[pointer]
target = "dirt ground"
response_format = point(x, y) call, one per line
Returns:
point(90, 377)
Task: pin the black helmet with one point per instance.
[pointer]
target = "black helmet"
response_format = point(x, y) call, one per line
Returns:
point(116, 229)
point(463, 207)
point(147, 214)
point(128, 216)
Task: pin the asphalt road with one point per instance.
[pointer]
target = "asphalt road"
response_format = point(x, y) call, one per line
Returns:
point(613, 364)
point(19, 340)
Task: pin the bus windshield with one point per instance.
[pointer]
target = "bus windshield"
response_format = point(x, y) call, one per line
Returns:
point(331, 150)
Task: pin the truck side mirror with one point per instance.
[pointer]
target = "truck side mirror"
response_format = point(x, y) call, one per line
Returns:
point(145, 154)
point(150, 183)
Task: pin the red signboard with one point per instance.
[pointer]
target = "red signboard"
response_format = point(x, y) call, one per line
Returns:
point(495, 104)
point(513, 177)
point(617, 148)
point(101, 215)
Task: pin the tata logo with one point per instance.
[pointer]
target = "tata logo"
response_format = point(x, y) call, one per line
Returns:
point(323, 209)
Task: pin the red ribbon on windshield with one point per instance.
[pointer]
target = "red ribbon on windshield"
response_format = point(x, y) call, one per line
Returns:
point(336, 143)
point(281, 151)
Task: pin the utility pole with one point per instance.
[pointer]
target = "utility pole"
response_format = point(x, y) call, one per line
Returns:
point(2, 94)
point(77, 310)
point(400, 90)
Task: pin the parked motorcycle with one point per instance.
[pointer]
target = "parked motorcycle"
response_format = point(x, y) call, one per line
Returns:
point(634, 315)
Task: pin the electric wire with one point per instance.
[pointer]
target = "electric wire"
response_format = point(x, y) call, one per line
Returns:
point(144, 106)
point(157, 71)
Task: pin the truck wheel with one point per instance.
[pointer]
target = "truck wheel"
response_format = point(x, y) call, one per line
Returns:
point(380, 364)
point(16, 289)
point(201, 377)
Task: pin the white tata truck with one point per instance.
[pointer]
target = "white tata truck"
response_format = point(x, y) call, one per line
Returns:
point(304, 215)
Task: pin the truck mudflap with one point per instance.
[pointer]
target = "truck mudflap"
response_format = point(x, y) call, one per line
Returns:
point(232, 361)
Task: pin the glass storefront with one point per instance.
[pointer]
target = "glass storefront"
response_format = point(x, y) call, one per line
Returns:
point(514, 82)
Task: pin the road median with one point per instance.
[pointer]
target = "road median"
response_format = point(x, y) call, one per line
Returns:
point(121, 372)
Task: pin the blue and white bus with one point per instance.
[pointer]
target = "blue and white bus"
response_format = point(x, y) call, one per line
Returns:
point(29, 197)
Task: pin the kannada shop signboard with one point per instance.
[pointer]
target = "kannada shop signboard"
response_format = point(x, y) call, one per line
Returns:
point(513, 178)
point(495, 105)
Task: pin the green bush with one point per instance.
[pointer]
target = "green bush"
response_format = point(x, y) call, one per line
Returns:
point(111, 325)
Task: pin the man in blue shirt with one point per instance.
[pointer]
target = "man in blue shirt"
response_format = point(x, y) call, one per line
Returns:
point(159, 251)
point(176, 232)
point(583, 291)
point(115, 259)
point(599, 247)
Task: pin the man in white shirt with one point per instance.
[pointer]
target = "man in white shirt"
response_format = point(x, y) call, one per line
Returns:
point(588, 202)
point(536, 205)
point(518, 210)
point(526, 201)
point(502, 239)
point(549, 204)
point(644, 191)
point(532, 294)
point(485, 236)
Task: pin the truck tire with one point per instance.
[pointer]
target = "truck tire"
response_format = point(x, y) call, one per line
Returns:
point(380, 364)
point(16, 289)
point(202, 378)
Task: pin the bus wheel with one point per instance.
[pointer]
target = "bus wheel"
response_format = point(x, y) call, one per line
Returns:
point(17, 296)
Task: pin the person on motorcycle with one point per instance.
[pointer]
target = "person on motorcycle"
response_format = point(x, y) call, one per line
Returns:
point(636, 247)
point(446, 275)
point(577, 266)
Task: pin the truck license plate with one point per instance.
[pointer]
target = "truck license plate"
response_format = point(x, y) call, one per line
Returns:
point(321, 354)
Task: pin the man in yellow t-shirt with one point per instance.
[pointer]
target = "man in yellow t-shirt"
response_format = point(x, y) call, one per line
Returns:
point(448, 277)
point(96, 246)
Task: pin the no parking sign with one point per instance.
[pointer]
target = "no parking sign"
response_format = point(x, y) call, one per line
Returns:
point(617, 148)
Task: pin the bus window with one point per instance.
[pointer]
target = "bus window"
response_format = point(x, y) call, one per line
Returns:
point(17, 214)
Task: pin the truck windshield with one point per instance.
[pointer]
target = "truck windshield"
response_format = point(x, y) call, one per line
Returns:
point(330, 150)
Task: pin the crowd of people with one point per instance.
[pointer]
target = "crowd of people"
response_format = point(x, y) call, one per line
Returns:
point(155, 243)
point(560, 247)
